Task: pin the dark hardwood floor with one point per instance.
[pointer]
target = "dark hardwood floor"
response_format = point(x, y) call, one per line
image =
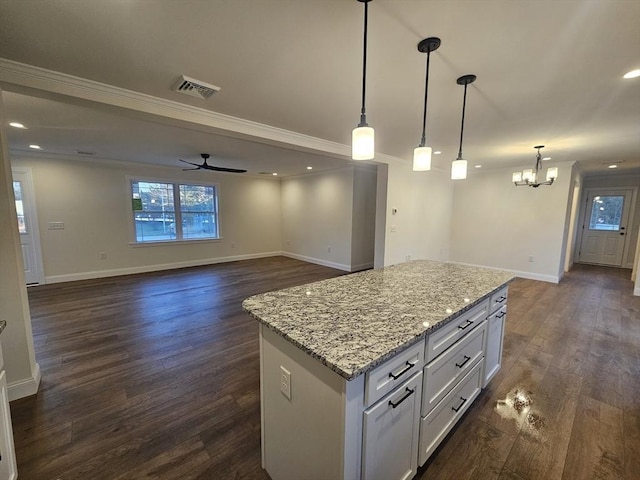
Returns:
point(157, 376)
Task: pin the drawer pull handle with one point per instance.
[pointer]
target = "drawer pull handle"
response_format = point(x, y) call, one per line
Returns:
point(466, 359)
point(403, 371)
point(469, 322)
point(459, 406)
point(406, 395)
point(501, 299)
point(502, 314)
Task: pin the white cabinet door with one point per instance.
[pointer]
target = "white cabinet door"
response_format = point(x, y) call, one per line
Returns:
point(390, 447)
point(493, 350)
point(8, 469)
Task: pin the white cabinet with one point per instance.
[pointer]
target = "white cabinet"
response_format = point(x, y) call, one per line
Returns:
point(8, 468)
point(390, 432)
point(495, 335)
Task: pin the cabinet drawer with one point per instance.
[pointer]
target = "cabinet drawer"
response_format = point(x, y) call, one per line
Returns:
point(390, 434)
point(384, 378)
point(498, 299)
point(441, 375)
point(441, 339)
point(493, 348)
point(435, 426)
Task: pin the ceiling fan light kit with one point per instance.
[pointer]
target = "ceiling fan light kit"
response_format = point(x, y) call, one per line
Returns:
point(363, 136)
point(529, 176)
point(422, 153)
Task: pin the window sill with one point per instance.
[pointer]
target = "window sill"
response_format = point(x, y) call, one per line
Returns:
point(175, 242)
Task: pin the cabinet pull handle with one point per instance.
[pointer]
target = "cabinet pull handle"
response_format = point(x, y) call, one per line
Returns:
point(501, 299)
point(466, 359)
point(407, 395)
point(459, 406)
point(502, 314)
point(403, 371)
point(469, 322)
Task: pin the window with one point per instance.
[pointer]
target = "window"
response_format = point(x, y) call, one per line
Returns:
point(606, 211)
point(170, 211)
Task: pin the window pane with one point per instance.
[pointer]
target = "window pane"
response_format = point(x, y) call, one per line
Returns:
point(156, 197)
point(151, 227)
point(17, 191)
point(198, 208)
point(606, 212)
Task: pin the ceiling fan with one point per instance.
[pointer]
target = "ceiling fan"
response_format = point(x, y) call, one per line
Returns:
point(206, 166)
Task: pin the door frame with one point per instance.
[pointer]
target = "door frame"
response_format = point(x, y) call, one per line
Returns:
point(32, 213)
point(583, 213)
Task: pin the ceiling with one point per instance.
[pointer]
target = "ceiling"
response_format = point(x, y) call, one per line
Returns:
point(549, 72)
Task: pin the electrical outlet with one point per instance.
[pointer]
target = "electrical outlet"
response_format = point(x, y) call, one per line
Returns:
point(233, 244)
point(408, 258)
point(285, 382)
point(55, 226)
point(531, 258)
point(103, 255)
point(393, 228)
point(329, 249)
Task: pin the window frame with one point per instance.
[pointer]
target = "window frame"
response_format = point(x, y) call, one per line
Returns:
point(175, 184)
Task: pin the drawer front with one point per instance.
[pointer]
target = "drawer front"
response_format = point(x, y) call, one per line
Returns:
point(384, 378)
point(498, 299)
point(443, 338)
point(435, 426)
point(493, 348)
point(390, 434)
point(441, 375)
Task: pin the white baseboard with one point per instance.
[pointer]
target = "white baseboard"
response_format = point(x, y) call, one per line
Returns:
point(636, 290)
point(71, 277)
point(26, 387)
point(518, 273)
point(362, 266)
point(318, 261)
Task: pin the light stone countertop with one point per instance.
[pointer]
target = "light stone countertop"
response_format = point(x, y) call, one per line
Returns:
point(3, 324)
point(355, 322)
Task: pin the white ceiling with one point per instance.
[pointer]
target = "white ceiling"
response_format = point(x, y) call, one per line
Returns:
point(549, 72)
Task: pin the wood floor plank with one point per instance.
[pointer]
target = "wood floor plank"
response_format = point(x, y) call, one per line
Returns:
point(157, 376)
point(596, 446)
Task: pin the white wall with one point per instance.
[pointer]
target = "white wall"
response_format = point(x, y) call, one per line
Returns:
point(496, 224)
point(363, 218)
point(620, 181)
point(421, 226)
point(92, 198)
point(23, 373)
point(317, 212)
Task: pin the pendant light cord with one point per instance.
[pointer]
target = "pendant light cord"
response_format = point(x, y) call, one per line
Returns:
point(363, 115)
point(464, 104)
point(423, 140)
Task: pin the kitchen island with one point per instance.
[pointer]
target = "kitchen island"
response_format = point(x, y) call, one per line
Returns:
point(363, 375)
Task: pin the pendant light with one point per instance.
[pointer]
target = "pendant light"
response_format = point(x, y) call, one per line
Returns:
point(422, 153)
point(362, 137)
point(459, 165)
point(529, 176)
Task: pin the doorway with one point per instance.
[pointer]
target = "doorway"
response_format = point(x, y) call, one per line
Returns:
point(28, 226)
point(605, 223)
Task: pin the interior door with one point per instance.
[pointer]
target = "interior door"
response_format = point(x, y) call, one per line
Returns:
point(604, 229)
point(27, 226)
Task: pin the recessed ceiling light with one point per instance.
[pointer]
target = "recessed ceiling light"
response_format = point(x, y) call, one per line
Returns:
point(274, 174)
point(35, 147)
point(632, 74)
point(309, 168)
point(437, 152)
point(546, 158)
point(613, 166)
point(17, 125)
point(478, 166)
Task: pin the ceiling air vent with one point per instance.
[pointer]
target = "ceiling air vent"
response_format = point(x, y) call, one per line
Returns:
point(195, 88)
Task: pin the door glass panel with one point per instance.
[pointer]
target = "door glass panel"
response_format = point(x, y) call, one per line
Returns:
point(606, 212)
point(17, 191)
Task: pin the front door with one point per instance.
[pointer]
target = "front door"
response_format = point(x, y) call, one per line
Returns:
point(27, 226)
point(604, 229)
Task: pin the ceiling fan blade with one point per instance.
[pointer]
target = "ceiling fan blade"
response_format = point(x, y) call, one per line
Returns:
point(194, 164)
point(224, 169)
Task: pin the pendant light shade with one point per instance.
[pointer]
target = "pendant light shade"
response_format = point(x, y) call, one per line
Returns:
point(422, 153)
point(459, 165)
point(363, 137)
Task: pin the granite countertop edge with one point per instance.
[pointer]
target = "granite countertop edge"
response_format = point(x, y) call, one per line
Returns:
point(3, 325)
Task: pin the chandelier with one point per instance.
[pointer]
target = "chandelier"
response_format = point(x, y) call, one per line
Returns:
point(529, 177)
